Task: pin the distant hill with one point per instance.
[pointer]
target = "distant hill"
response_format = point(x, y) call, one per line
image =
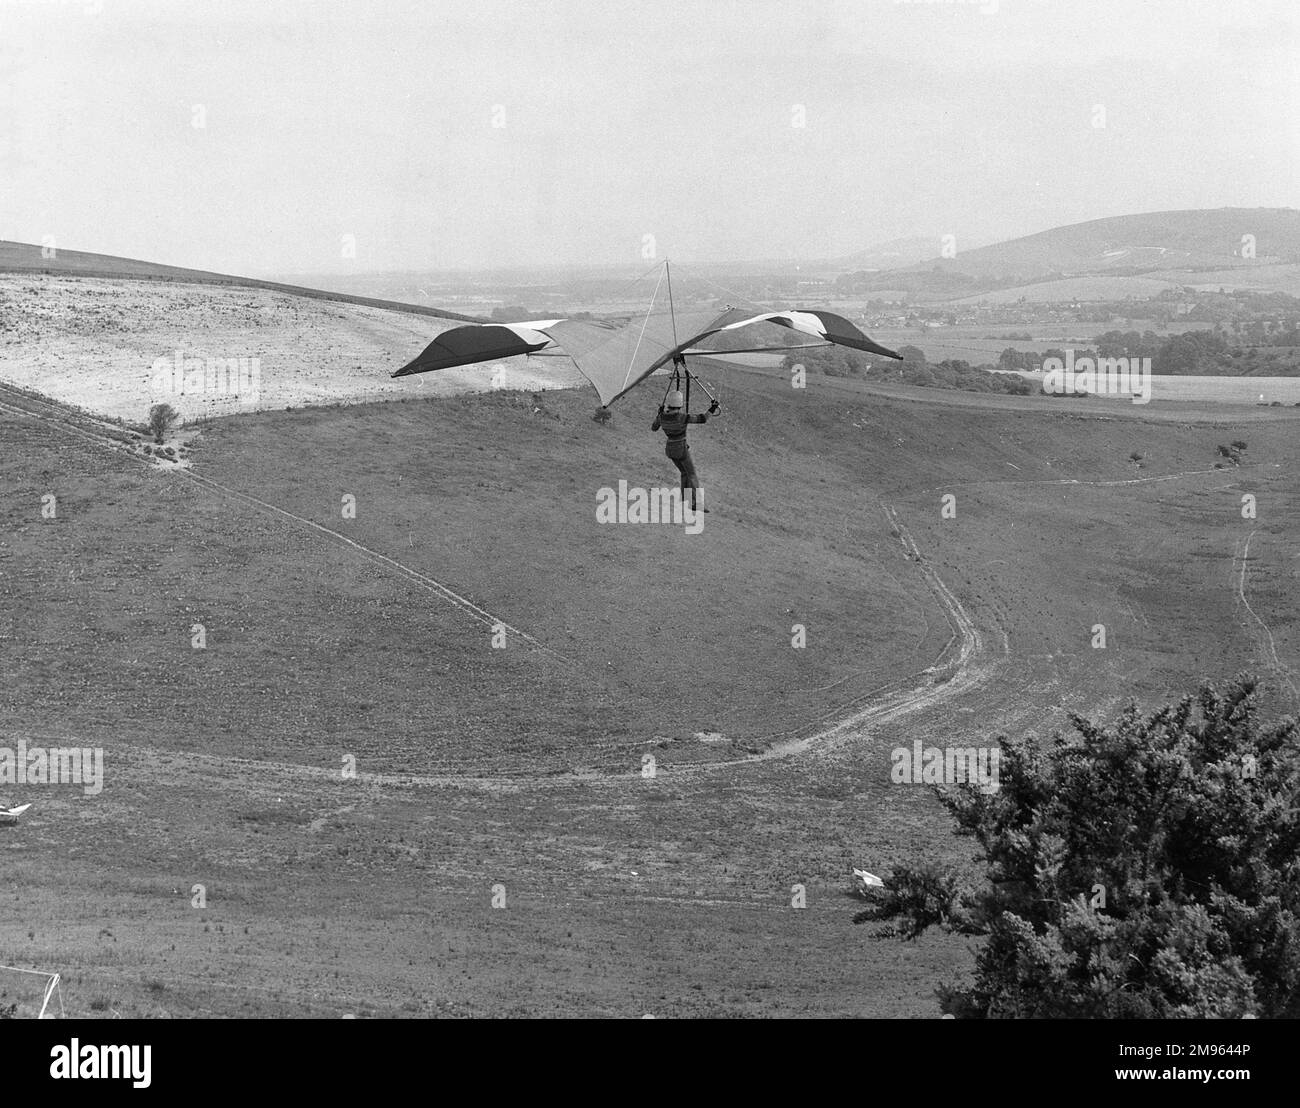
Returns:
point(24, 257)
point(1180, 244)
point(891, 255)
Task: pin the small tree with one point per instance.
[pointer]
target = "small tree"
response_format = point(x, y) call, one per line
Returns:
point(1146, 869)
point(912, 355)
point(161, 419)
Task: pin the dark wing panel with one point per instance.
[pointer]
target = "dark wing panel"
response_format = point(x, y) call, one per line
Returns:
point(826, 325)
point(477, 342)
point(840, 331)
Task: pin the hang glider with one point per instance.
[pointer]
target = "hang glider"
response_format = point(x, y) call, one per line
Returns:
point(616, 355)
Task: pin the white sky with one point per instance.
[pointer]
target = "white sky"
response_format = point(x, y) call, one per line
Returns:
point(671, 118)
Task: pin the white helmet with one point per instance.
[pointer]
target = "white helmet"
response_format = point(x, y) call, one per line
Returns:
point(674, 400)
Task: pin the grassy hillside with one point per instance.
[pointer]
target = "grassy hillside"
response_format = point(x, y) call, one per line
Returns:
point(1133, 255)
point(313, 653)
point(95, 342)
point(25, 257)
point(661, 643)
point(1147, 241)
point(625, 893)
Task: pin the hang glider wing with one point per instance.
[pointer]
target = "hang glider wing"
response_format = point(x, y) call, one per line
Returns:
point(479, 342)
point(615, 359)
point(615, 356)
point(828, 326)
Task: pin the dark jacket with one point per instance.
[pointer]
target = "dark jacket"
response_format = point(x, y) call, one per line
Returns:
point(674, 424)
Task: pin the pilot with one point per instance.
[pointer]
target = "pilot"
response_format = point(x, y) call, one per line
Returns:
point(674, 421)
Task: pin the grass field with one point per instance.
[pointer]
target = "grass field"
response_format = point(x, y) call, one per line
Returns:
point(519, 773)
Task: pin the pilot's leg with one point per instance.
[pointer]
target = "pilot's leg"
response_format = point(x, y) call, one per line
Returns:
point(689, 478)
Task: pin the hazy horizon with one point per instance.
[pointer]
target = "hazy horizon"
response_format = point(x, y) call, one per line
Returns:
point(346, 138)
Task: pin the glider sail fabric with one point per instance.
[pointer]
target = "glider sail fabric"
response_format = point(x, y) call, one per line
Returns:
point(479, 342)
point(618, 359)
point(825, 325)
point(616, 355)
